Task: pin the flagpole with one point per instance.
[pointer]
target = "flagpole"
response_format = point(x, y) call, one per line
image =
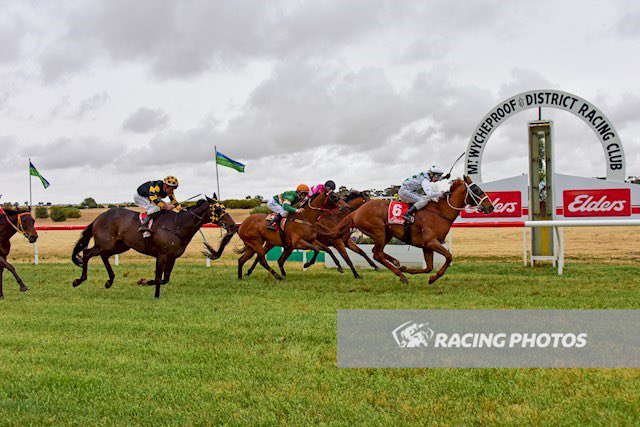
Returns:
point(215, 147)
point(30, 196)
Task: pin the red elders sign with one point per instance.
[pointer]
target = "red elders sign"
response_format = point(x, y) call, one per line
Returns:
point(593, 203)
point(507, 204)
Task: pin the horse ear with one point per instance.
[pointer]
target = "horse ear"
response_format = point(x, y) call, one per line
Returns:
point(208, 198)
point(215, 196)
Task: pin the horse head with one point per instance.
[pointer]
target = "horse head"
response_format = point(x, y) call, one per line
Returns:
point(22, 221)
point(355, 199)
point(220, 216)
point(464, 192)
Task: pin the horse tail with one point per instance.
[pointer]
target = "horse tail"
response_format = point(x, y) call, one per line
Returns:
point(213, 254)
point(82, 244)
point(342, 228)
point(241, 250)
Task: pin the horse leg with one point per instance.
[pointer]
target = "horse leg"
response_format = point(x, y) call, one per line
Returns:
point(5, 264)
point(1, 272)
point(261, 254)
point(107, 265)
point(428, 258)
point(268, 247)
point(283, 259)
point(352, 245)
point(381, 257)
point(246, 256)
point(168, 268)
point(87, 254)
point(311, 261)
point(330, 252)
point(339, 245)
point(157, 281)
point(436, 246)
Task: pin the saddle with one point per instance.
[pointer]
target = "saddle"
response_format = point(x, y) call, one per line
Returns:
point(280, 226)
point(142, 217)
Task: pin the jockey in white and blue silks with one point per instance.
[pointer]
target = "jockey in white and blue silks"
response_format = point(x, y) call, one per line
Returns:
point(409, 191)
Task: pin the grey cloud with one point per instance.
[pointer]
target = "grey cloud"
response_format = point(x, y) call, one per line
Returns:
point(145, 120)
point(75, 152)
point(91, 104)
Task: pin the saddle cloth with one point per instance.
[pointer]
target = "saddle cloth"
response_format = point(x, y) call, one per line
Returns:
point(279, 226)
point(395, 212)
point(142, 216)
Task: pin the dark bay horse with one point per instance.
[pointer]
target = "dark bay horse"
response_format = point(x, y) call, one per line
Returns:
point(116, 231)
point(429, 230)
point(354, 199)
point(300, 233)
point(12, 222)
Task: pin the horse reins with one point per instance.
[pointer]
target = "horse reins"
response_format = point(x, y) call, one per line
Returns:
point(476, 199)
point(20, 227)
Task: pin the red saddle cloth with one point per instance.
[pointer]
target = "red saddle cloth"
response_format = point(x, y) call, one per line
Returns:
point(395, 212)
point(279, 226)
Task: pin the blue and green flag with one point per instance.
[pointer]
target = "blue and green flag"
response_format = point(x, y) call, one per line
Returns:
point(223, 160)
point(34, 172)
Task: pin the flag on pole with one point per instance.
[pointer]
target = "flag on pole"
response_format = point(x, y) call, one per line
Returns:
point(223, 160)
point(34, 172)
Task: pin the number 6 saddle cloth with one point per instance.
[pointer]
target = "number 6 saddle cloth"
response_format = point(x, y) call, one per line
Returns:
point(395, 212)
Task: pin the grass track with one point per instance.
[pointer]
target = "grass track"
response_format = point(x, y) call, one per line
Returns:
point(215, 350)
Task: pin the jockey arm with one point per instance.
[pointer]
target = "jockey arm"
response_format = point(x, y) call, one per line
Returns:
point(175, 202)
point(430, 190)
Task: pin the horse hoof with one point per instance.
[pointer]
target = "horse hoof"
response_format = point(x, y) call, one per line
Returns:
point(306, 265)
point(150, 283)
point(376, 268)
point(357, 276)
point(24, 289)
point(278, 277)
point(340, 270)
point(108, 284)
point(76, 283)
point(404, 280)
point(433, 279)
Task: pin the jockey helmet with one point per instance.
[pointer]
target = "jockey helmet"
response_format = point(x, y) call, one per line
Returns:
point(330, 185)
point(302, 188)
point(435, 170)
point(171, 181)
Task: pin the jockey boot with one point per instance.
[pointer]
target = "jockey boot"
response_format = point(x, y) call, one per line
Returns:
point(144, 226)
point(272, 224)
point(408, 216)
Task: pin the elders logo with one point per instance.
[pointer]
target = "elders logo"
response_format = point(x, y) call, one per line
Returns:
point(597, 203)
point(507, 204)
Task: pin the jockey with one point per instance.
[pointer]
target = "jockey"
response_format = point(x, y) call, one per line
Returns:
point(327, 186)
point(149, 197)
point(409, 189)
point(283, 204)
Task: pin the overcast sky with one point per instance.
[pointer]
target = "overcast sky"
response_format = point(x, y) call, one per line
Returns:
point(104, 95)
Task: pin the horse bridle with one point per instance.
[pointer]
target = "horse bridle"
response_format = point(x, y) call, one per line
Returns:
point(477, 199)
point(20, 227)
point(308, 204)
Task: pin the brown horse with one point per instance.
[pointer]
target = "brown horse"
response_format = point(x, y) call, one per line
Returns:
point(354, 199)
point(116, 231)
point(429, 230)
point(12, 222)
point(300, 233)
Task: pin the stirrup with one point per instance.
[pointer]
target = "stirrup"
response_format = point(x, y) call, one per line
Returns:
point(408, 218)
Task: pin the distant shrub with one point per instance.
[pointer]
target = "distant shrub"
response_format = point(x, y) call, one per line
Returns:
point(58, 214)
point(89, 203)
point(72, 212)
point(263, 209)
point(42, 212)
point(241, 204)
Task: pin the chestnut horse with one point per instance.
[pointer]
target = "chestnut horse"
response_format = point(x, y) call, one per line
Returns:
point(116, 231)
point(12, 222)
point(354, 199)
point(299, 233)
point(429, 230)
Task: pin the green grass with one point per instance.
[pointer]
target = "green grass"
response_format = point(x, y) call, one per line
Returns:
point(214, 350)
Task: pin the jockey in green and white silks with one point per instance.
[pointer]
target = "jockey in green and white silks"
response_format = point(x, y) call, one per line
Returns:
point(409, 191)
point(285, 203)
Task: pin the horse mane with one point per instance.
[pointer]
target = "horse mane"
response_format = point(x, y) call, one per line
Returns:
point(198, 204)
point(353, 194)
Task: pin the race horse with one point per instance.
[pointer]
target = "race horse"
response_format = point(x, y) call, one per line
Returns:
point(429, 230)
point(12, 222)
point(299, 232)
point(116, 231)
point(328, 220)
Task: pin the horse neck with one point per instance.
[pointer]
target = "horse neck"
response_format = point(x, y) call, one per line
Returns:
point(6, 230)
point(191, 223)
point(457, 200)
point(311, 214)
